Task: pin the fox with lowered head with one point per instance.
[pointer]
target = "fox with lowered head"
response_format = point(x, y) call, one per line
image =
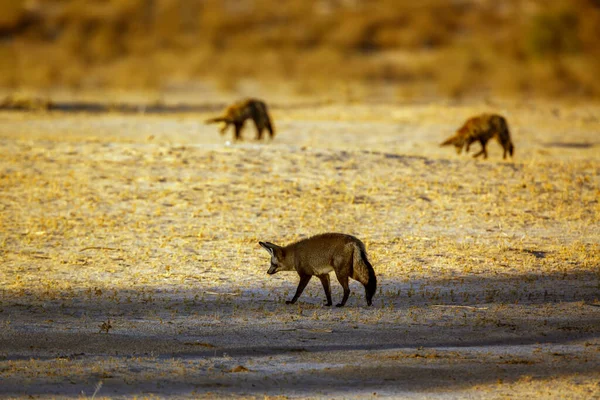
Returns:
point(237, 114)
point(482, 129)
point(318, 256)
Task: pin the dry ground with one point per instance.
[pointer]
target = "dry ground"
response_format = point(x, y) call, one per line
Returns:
point(488, 271)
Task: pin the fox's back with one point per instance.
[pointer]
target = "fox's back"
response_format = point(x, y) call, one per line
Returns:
point(239, 111)
point(484, 127)
point(245, 109)
point(320, 249)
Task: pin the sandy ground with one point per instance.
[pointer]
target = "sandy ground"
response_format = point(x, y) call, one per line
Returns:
point(489, 271)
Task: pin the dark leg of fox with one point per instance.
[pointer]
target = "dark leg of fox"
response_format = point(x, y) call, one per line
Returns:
point(483, 149)
point(344, 282)
point(224, 128)
point(508, 148)
point(238, 130)
point(259, 129)
point(270, 129)
point(325, 281)
point(303, 282)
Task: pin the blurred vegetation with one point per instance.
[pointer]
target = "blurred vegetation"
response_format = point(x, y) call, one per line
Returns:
point(427, 48)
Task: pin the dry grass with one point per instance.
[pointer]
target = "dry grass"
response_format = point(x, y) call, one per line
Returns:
point(461, 48)
point(151, 223)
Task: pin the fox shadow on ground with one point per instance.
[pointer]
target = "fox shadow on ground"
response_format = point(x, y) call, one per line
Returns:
point(251, 307)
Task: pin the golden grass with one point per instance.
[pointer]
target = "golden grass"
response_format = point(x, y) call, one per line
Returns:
point(542, 48)
point(161, 205)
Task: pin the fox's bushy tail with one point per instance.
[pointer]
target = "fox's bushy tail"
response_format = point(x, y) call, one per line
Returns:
point(363, 272)
point(506, 141)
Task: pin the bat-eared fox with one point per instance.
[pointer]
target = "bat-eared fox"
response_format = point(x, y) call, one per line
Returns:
point(237, 114)
point(482, 128)
point(319, 255)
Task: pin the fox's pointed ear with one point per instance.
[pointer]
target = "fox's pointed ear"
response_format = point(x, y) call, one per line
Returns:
point(270, 247)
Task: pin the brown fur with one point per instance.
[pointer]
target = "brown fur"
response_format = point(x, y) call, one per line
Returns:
point(237, 114)
point(481, 129)
point(321, 254)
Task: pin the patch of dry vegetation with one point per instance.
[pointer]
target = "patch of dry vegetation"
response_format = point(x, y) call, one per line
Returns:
point(437, 47)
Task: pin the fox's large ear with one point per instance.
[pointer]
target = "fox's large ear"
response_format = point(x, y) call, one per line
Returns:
point(270, 247)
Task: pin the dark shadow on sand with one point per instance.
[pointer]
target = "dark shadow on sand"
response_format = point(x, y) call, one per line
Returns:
point(256, 336)
point(571, 145)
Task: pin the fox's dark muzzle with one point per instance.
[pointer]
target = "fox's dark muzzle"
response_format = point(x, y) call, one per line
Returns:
point(272, 270)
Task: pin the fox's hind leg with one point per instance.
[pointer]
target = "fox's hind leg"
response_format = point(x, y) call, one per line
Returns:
point(270, 128)
point(260, 126)
point(325, 281)
point(238, 130)
point(343, 279)
point(303, 282)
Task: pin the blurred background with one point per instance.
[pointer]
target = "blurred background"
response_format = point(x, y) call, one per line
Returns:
point(407, 49)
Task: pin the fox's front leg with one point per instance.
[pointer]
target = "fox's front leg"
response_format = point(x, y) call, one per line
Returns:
point(224, 128)
point(483, 150)
point(303, 282)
